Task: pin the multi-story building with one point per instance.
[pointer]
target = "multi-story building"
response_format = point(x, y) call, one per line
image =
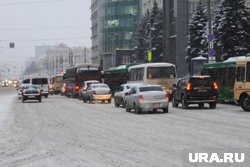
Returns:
point(148, 4)
point(120, 20)
point(96, 30)
point(11, 70)
point(61, 57)
point(113, 28)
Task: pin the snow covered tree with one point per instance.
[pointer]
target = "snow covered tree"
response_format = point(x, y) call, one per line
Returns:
point(150, 30)
point(156, 24)
point(218, 16)
point(197, 38)
point(142, 38)
point(233, 30)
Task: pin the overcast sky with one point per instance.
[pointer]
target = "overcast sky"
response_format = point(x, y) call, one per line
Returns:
point(36, 22)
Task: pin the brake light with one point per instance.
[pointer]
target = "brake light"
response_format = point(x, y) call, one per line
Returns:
point(166, 98)
point(215, 86)
point(94, 92)
point(188, 88)
point(77, 87)
point(141, 98)
point(85, 88)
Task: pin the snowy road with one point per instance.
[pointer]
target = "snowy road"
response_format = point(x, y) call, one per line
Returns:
point(66, 132)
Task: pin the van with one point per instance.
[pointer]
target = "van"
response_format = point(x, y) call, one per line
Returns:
point(38, 79)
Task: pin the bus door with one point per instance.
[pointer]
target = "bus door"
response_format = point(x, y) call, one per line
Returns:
point(240, 82)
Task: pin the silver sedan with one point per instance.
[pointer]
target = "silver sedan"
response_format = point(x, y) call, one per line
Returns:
point(97, 92)
point(146, 98)
point(119, 97)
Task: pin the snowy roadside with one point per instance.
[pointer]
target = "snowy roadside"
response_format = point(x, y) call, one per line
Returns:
point(5, 107)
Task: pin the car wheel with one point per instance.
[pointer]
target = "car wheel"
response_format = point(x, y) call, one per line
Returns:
point(201, 105)
point(84, 99)
point(137, 110)
point(127, 108)
point(46, 96)
point(165, 110)
point(123, 103)
point(23, 100)
point(174, 104)
point(245, 103)
point(116, 103)
point(212, 105)
point(40, 99)
point(90, 101)
point(109, 101)
point(154, 110)
point(184, 103)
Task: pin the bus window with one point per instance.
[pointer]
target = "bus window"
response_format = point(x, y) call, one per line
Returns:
point(161, 72)
point(241, 74)
point(248, 72)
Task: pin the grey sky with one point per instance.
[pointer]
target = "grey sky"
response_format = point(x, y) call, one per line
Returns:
point(36, 22)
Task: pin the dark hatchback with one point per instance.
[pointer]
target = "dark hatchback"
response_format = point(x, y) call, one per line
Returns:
point(31, 92)
point(195, 90)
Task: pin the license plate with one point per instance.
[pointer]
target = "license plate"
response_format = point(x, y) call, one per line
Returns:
point(32, 97)
point(204, 90)
point(156, 105)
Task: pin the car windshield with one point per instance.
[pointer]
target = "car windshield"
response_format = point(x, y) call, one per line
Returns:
point(150, 88)
point(40, 81)
point(201, 81)
point(100, 86)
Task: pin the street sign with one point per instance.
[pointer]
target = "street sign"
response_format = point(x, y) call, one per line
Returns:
point(210, 37)
point(212, 52)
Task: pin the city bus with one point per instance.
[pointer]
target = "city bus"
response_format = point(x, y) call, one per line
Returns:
point(224, 74)
point(57, 83)
point(115, 77)
point(75, 76)
point(242, 83)
point(163, 74)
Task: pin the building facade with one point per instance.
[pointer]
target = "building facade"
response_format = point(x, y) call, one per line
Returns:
point(96, 28)
point(120, 20)
point(113, 28)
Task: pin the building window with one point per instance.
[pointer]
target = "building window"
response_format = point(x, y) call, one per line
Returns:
point(125, 60)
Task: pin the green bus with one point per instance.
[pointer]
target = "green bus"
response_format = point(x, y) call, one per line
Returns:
point(224, 74)
point(117, 76)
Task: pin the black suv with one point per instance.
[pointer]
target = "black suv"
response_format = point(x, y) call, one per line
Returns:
point(195, 90)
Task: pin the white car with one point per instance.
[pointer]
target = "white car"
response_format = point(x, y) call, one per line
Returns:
point(119, 97)
point(85, 86)
point(97, 92)
point(143, 98)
